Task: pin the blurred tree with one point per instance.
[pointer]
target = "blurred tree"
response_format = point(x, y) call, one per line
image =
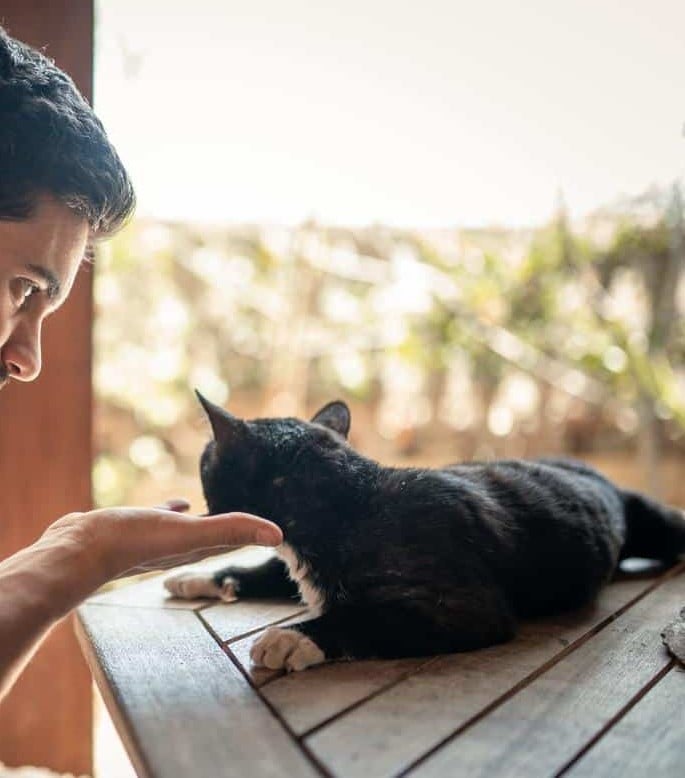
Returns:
point(655, 253)
point(522, 342)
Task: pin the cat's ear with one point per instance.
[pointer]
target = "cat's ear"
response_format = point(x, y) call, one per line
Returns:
point(335, 416)
point(225, 426)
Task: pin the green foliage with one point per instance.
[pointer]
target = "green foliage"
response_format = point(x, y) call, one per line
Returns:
point(260, 317)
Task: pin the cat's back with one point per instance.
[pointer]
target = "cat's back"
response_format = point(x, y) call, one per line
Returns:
point(553, 477)
point(505, 486)
point(567, 523)
point(546, 532)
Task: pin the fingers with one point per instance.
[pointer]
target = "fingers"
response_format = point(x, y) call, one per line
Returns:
point(240, 529)
point(169, 527)
point(172, 534)
point(137, 538)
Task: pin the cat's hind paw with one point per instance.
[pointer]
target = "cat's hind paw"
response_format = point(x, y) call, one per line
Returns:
point(288, 649)
point(193, 584)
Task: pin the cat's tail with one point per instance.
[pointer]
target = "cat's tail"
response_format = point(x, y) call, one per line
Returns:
point(653, 531)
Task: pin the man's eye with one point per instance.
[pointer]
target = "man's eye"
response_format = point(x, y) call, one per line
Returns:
point(22, 290)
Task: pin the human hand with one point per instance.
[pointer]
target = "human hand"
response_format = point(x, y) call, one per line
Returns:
point(41, 583)
point(116, 542)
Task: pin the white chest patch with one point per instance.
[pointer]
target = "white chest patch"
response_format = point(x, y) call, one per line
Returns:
point(299, 573)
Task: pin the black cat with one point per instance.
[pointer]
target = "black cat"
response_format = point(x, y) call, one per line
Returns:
point(401, 562)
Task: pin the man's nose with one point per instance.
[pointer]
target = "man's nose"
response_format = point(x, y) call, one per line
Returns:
point(21, 353)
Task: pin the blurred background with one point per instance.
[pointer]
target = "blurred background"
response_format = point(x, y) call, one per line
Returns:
point(464, 220)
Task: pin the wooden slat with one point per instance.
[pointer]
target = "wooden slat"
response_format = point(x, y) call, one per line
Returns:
point(306, 700)
point(232, 621)
point(648, 740)
point(46, 451)
point(179, 703)
point(539, 730)
point(393, 729)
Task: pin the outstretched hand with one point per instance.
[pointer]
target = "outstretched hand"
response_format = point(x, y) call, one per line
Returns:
point(192, 538)
point(81, 551)
point(126, 541)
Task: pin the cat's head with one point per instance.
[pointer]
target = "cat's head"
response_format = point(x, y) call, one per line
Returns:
point(261, 465)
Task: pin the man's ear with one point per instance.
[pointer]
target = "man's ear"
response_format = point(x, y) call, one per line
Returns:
point(225, 426)
point(335, 416)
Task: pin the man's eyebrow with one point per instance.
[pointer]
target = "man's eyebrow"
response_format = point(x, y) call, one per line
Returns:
point(53, 284)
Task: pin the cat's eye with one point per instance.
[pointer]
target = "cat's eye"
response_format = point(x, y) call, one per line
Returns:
point(22, 290)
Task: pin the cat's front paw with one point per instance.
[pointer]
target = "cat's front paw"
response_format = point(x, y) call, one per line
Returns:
point(285, 648)
point(192, 584)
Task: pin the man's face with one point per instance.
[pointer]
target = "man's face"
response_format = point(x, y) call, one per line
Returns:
point(39, 259)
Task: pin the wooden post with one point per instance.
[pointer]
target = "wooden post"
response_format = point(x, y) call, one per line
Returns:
point(46, 451)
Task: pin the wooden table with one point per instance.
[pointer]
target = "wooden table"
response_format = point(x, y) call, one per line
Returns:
point(592, 694)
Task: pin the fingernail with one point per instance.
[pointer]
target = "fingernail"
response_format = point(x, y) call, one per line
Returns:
point(268, 537)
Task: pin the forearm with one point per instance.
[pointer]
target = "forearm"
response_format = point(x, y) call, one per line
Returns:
point(38, 586)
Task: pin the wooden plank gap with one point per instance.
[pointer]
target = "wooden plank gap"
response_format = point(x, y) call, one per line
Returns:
point(647, 741)
point(615, 719)
point(185, 706)
point(239, 646)
point(257, 630)
point(675, 570)
point(380, 690)
point(541, 728)
point(531, 677)
point(264, 676)
point(224, 647)
point(233, 621)
point(316, 763)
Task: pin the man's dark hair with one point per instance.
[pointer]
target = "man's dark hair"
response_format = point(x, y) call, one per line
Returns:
point(52, 143)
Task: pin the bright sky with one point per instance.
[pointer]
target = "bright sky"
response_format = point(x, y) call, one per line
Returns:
point(415, 113)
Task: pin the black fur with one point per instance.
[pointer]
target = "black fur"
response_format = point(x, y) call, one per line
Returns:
point(420, 561)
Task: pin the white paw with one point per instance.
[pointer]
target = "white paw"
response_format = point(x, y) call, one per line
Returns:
point(285, 648)
point(191, 584)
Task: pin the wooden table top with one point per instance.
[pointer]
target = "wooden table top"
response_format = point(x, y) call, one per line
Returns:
point(591, 694)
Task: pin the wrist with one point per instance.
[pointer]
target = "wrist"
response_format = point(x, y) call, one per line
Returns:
point(73, 564)
point(39, 585)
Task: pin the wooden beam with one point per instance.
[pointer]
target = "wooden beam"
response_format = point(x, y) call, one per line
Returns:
point(46, 451)
point(179, 703)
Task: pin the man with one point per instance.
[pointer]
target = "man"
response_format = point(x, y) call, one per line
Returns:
point(63, 186)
